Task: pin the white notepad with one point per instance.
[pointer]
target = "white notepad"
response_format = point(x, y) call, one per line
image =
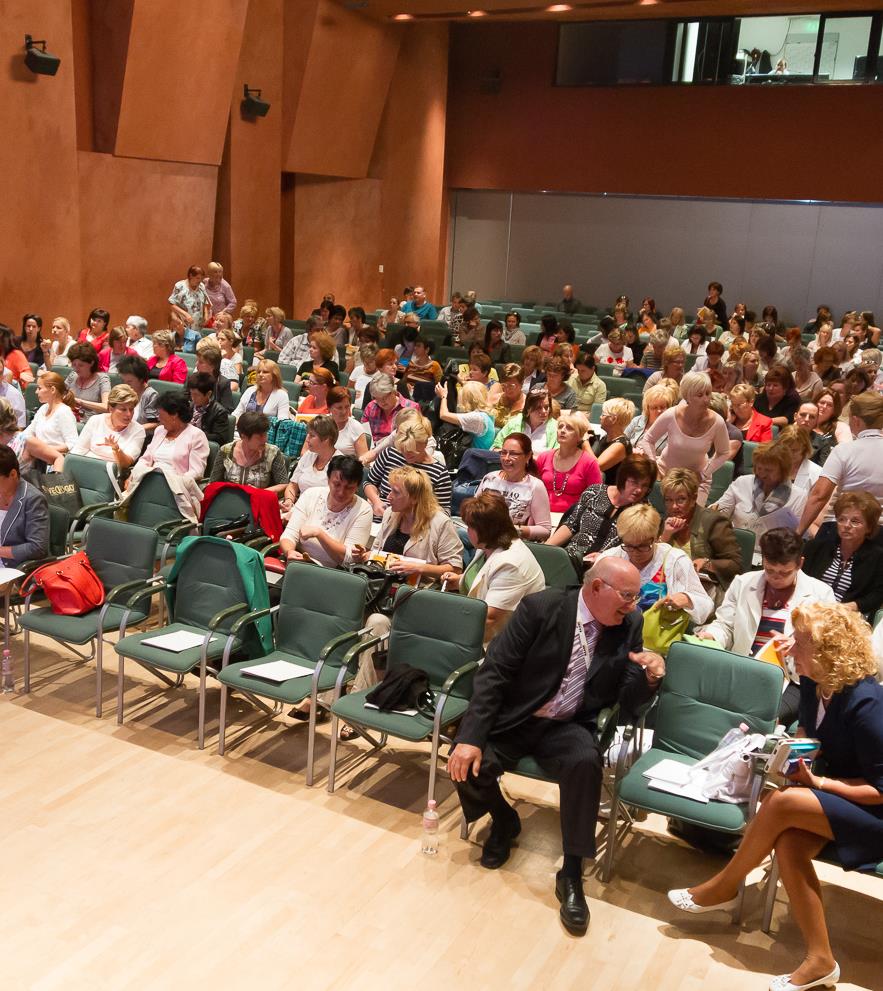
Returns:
point(177, 642)
point(671, 771)
point(10, 575)
point(277, 671)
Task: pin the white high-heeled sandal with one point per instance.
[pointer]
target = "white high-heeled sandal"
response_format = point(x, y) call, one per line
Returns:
point(783, 981)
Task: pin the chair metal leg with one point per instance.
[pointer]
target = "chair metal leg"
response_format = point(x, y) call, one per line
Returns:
point(120, 676)
point(769, 900)
point(202, 665)
point(333, 761)
point(222, 720)
point(607, 869)
point(311, 739)
point(99, 670)
point(433, 767)
point(27, 675)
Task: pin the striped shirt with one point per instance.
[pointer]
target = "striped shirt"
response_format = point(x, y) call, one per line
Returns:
point(390, 457)
point(838, 575)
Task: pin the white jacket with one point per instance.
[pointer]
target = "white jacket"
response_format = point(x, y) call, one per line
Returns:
point(737, 504)
point(507, 576)
point(738, 616)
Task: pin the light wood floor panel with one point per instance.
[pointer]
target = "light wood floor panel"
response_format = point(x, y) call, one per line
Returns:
point(132, 860)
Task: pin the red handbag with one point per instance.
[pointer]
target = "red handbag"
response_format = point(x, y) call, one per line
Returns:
point(70, 585)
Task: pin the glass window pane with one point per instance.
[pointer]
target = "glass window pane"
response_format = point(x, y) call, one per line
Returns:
point(845, 48)
point(777, 46)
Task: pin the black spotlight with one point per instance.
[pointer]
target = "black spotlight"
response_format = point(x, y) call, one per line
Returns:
point(253, 105)
point(38, 59)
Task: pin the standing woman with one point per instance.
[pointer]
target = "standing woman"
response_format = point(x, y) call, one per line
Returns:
point(165, 364)
point(518, 483)
point(267, 395)
point(55, 352)
point(53, 431)
point(16, 364)
point(96, 329)
point(567, 471)
point(691, 429)
point(31, 340)
point(90, 387)
point(190, 300)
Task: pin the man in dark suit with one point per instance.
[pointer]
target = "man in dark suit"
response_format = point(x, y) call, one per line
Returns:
point(564, 656)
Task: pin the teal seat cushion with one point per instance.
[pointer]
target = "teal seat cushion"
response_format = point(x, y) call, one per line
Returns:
point(291, 691)
point(635, 790)
point(351, 708)
point(76, 629)
point(529, 768)
point(133, 646)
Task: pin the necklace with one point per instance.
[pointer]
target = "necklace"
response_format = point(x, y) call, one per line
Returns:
point(555, 490)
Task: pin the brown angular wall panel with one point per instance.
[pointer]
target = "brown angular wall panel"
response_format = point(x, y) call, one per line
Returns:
point(299, 22)
point(345, 84)
point(181, 63)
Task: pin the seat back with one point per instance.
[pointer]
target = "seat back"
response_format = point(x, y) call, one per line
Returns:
point(436, 632)
point(748, 447)
point(214, 447)
point(92, 478)
point(555, 562)
point(152, 501)
point(59, 524)
point(317, 605)
point(207, 581)
point(720, 482)
point(228, 504)
point(627, 388)
point(745, 539)
point(160, 386)
point(120, 552)
point(657, 499)
point(293, 390)
point(707, 692)
point(32, 403)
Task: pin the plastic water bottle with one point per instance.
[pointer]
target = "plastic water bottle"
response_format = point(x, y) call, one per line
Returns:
point(8, 678)
point(736, 733)
point(429, 843)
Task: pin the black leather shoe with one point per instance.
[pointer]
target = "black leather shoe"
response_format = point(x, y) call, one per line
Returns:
point(498, 845)
point(574, 911)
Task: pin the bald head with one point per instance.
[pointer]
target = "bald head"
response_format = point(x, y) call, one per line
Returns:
point(610, 589)
point(568, 291)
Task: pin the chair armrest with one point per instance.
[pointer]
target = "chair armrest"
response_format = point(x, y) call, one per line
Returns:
point(456, 675)
point(607, 726)
point(353, 653)
point(93, 508)
point(333, 645)
point(29, 567)
point(148, 587)
point(219, 618)
point(117, 590)
point(251, 617)
point(268, 550)
point(170, 529)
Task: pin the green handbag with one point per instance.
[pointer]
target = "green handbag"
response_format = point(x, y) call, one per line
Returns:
point(663, 627)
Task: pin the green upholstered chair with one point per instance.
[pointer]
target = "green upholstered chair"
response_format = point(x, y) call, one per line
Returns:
point(205, 593)
point(748, 447)
point(161, 387)
point(442, 635)
point(555, 562)
point(288, 372)
point(95, 480)
point(293, 390)
point(745, 539)
point(628, 388)
point(123, 557)
point(705, 693)
point(720, 482)
point(318, 617)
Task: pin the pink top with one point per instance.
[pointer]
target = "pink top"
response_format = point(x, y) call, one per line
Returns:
point(186, 454)
point(565, 487)
point(683, 451)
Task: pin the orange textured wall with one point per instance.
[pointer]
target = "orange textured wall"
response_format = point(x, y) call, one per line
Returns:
point(772, 142)
point(144, 224)
point(39, 232)
point(181, 62)
point(346, 79)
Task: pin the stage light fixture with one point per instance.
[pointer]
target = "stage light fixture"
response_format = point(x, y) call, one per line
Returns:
point(252, 105)
point(38, 60)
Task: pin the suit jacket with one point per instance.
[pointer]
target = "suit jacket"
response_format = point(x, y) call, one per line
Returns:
point(216, 423)
point(25, 529)
point(866, 589)
point(525, 666)
point(224, 394)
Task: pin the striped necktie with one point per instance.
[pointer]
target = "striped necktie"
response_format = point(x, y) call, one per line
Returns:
point(569, 697)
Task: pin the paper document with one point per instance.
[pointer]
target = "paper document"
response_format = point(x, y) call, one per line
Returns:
point(10, 575)
point(677, 779)
point(277, 671)
point(274, 578)
point(769, 654)
point(669, 770)
point(691, 791)
point(177, 642)
point(398, 712)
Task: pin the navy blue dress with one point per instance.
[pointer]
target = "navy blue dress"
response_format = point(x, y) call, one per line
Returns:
point(851, 734)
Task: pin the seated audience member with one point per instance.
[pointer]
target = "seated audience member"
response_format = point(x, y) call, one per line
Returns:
point(322, 355)
point(705, 535)
point(230, 346)
point(24, 527)
point(691, 429)
point(842, 705)
point(735, 331)
point(796, 441)
point(653, 353)
point(712, 364)
point(518, 483)
point(95, 331)
point(825, 365)
point(530, 698)
point(766, 499)
point(828, 429)
point(473, 413)
point(614, 446)
point(849, 559)
point(15, 364)
point(208, 414)
point(494, 346)
point(53, 431)
point(267, 395)
point(208, 360)
point(696, 341)
point(135, 374)
point(165, 364)
point(115, 435)
point(668, 579)
point(779, 399)
point(422, 372)
point(547, 338)
point(757, 608)
point(613, 351)
point(319, 383)
point(535, 421)
point(250, 460)
point(506, 396)
point(312, 468)
point(569, 469)
point(512, 332)
point(479, 368)
point(854, 466)
point(806, 381)
point(352, 435)
point(177, 446)
point(297, 350)
point(409, 447)
point(557, 371)
point(385, 403)
point(248, 327)
point(9, 427)
point(137, 339)
point(276, 334)
point(588, 387)
point(532, 359)
point(31, 338)
point(55, 350)
point(503, 569)
point(754, 426)
point(674, 363)
point(361, 375)
point(90, 387)
point(12, 395)
point(718, 404)
point(654, 402)
point(590, 526)
point(114, 351)
point(327, 523)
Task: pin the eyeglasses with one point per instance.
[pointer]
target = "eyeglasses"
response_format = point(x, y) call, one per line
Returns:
point(638, 548)
point(844, 521)
point(632, 597)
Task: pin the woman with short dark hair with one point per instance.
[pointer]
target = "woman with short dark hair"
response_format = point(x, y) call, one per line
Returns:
point(779, 399)
point(89, 386)
point(209, 415)
point(177, 445)
point(96, 329)
point(250, 460)
point(24, 527)
point(189, 300)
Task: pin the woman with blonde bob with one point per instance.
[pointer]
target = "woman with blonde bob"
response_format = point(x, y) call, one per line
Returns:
point(754, 426)
point(654, 402)
point(841, 704)
point(409, 447)
point(267, 395)
point(115, 435)
point(616, 415)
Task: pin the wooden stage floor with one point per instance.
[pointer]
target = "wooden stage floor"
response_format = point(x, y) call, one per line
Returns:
point(132, 860)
